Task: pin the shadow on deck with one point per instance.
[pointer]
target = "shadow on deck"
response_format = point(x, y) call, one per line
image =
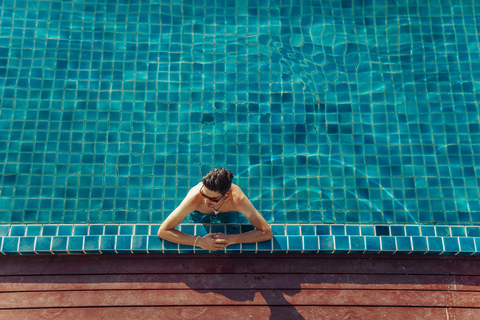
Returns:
point(243, 286)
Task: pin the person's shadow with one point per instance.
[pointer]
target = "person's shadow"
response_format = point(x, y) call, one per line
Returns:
point(249, 283)
point(268, 280)
point(243, 287)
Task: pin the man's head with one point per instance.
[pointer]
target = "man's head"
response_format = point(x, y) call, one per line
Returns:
point(218, 180)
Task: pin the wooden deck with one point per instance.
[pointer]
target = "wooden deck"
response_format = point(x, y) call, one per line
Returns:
point(239, 287)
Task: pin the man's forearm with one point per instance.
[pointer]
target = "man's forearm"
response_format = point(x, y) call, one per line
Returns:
point(176, 236)
point(250, 237)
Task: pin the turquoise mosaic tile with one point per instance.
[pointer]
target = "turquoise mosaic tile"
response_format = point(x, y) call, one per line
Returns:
point(111, 229)
point(265, 247)
point(367, 230)
point(10, 245)
point(311, 244)
point(201, 230)
point(404, 245)
point(4, 230)
point(18, 231)
point(49, 230)
point(382, 230)
point(295, 243)
point(477, 246)
point(323, 230)
point(293, 229)
point(65, 230)
point(428, 231)
point(397, 230)
point(154, 229)
point(250, 247)
point(435, 245)
point(352, 230)
point(473, 231)
point(234, 229)
point(280, 244)
point(107, 244)
point(451, 245)
point(412, 230)
point(155, 244)
point(80, 230)
point(139, 244)
point(96, 229)
point(235, 248)
point(124, 244)
point(467, 246)
point(372, 245)
point(342, 244)
point(75, 244)
point(186, 249)
point(43, 245)
point(190, 229)
point(337, 230)
point(59, 245)
point(442, 231)
point(215, 228)
point(142, 229)
point(109, 114)
point(326, 244)
point(404, 239)
point(419, 244)
point(357, 244)
point(169, 247)
point(92, 244)
point(307, 229)
point(328, 112)
point(388, 244)
point(26, 245)
point(457, 231)
point(126, 229)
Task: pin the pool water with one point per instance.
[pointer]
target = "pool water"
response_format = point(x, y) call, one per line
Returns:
point(327, 112)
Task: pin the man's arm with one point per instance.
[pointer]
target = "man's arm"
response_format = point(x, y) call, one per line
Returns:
point(263, 232)
point(168, 232)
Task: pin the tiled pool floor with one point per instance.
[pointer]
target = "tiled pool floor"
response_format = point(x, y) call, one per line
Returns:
point(328, 112)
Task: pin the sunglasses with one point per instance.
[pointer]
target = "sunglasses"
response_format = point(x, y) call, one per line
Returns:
point(211, 199)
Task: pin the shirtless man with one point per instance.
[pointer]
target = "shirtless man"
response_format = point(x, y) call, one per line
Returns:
point(214, 197)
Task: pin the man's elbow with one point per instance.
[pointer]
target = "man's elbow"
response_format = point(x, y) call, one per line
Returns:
point(162, 232)
point(267, 233)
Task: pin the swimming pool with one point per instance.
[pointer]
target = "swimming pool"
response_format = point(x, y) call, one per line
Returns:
point(332, 114)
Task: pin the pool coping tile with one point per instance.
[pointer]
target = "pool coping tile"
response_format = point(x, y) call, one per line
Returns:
point(287, 238)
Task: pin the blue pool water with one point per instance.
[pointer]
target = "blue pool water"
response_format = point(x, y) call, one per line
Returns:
point(328, 112)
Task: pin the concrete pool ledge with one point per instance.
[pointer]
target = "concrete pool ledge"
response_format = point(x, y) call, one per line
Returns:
point(288, 238)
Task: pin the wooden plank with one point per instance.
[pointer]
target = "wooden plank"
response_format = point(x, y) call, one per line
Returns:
point(236, 312)
point(450, 313)
point(231, 281)
point(465, 267)
point(67, 265)
point(465, 299)
point(466, 314)
point(467, 283)
point(56, 299)
point(293, 256)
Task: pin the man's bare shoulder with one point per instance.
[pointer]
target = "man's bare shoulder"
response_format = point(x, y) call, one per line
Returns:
point(193, 197)
point(237, 194)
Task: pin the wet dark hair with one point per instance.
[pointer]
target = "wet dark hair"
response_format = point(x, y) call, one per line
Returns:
point(218, 180)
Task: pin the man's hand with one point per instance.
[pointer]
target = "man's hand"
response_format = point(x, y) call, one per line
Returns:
point(212, 242)
point(223, 236)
